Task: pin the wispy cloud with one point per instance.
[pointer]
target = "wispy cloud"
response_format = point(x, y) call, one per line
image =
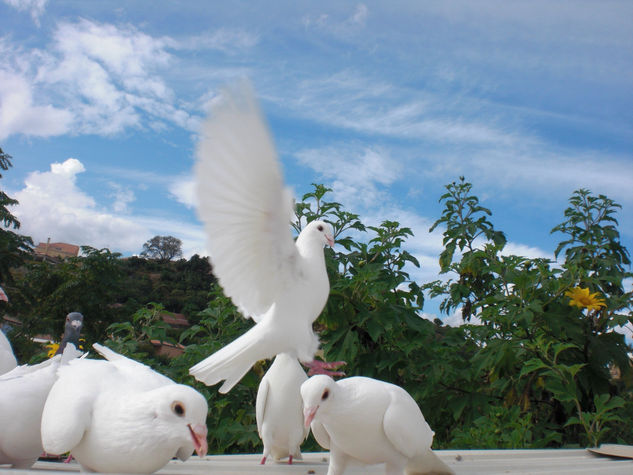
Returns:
point(342, 23)
point(93, 78)
point(227, 40)
point(357, 175)
point(34, 7)
point(350, 100)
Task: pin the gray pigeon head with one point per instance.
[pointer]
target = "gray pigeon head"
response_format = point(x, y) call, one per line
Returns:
point(72, 330)
point(74, 320)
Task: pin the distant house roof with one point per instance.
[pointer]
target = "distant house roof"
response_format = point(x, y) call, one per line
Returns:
point(175, 319)
point(57, 249)
point(167, 349)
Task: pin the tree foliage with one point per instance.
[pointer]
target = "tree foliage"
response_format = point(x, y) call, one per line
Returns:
point(534, 350)
point(14, 248)
point(162, 248)
point(534, 365)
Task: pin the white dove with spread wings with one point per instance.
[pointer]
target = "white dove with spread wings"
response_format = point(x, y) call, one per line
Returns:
point(281, 284)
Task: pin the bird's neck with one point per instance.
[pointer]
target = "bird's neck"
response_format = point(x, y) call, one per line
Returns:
point(310, 248)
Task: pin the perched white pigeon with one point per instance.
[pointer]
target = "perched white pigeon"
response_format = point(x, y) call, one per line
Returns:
point(280, 283)
point(121, 416)
point(23, 392)
point(7, 358)
point(370, 421)
point(279, 409)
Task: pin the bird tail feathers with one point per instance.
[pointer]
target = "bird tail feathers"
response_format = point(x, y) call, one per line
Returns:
point(428, 464)
point(232, 362)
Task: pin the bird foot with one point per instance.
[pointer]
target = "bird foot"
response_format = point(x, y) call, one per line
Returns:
point(290, 460)
point(325, 367)
point(68, 459)
point(263, 462)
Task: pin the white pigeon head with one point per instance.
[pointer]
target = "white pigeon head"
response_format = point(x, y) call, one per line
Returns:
point(181, 412)
point(317, 394)
point(318, 231)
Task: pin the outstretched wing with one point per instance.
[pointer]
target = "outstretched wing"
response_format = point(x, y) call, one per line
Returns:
point(243, 203)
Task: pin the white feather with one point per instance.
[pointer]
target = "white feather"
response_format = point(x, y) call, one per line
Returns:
point(243, 204)
point(117, 416)
point(246, 211)
point(372, 422)
point(7, 358)
point(279, 409)
point(23, 392)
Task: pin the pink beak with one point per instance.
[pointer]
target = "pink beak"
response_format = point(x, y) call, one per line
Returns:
point(330, 240)
point(308, 414)
point(199, 436)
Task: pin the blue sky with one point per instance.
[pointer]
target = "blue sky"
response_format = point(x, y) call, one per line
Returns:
point(385, 102)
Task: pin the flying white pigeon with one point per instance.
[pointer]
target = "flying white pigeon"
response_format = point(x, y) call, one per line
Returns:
point(279, 409)
point(7, 358)
point(370, 421)
point(280, 283)
point(120, 416)
point(23, 392)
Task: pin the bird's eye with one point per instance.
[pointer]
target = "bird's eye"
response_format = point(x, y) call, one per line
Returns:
point(320, 227)
point(326, 393)
point(67, 319)
point(178, 408)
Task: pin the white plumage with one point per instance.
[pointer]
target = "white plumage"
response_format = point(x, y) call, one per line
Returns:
point(280, 283)
point(23, 392)
point(369, 421)
point(279, 409)
point(120, 416)
point(7, 358)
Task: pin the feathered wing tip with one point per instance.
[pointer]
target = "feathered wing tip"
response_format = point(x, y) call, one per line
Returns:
point(428, 464)
point(70, 353)
point(232, 362)
point(106, 352)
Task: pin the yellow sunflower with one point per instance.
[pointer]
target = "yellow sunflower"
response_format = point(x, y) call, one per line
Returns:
point(52, 349)
point(582, 298)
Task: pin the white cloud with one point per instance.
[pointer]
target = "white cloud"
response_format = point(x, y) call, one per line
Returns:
point(18, 113)
point(340, 24)
point(183, 190)
point(627, 331)
point(52, 204)
point(223, 39)
point(360, 103)
point(122, 198)
point(523, 250)
point(358, 177)
point(34, 7)
point(108, 73)
point(93, 78)
point(455, 319)
point(360, 15)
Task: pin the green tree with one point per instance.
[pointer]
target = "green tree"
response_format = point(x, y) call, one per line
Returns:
point(14, 248)
point(162, 248)
point(90, 284)
point(535, 351)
